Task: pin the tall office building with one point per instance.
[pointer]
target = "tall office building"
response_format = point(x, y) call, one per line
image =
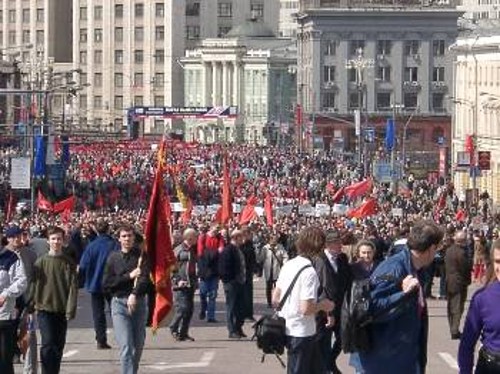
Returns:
point(288, 22)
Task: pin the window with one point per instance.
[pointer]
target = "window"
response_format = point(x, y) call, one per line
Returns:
point(159, 100)
point(410, 100)
point(83, 78)
point(118, 102)
point(97, 79)
point(138, 80)
point(118, 34)
point(138, 56)
point(159, 56)
point(384, 47)
point(383, 100)
point(225, 10)
point(223, 30)
point(193, 10)
point(83, 101)
point(159, 10)
point(411, 74)
point(139, 34)
point(40, 36)
point(257, 10)
point(26, 36)
point(330, 48)
point(159, 80)
point(83, 57)
point(438, 47)
point(354, 100)
point(98, 56)
point(138, 100)
point(97, 101)
point(192, 32)
point(118, 56)
point(26, 16)
point(12, 37)
point(12, 16)
point(98, 12)
point(83, 13)
point(118, 79)
point(355, 46)
point(328, 100)
point(159, 33)
point(412, 47)
point(159, 126)
point(438, 74)
point(438, 102)
point(352, 75)
point(40, 15)
point(118, 10)
point(139, 10)
point(328, 74)
point(98, 35)
point(384, 73)
point(83, 35)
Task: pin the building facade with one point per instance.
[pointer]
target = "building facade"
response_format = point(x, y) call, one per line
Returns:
point(288, 15)
point(250, 68)
point(383, 60)
point(477, 110)
point(480, 9)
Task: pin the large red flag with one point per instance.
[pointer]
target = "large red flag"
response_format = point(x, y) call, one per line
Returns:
point(42, 203)
point(338, 195)
point(159, 245)
point(11, 207)
point(368, 208)
point(227, 203)
point(358, 189)
point(268, 208)
point(248, 213)
point(66, 204)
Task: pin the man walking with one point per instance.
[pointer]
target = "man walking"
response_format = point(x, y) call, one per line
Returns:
point(12, 285)
point(458, 278)
point(54, 294)
point(126, 278)
point(184, 284)
point(248, 250)
point(92, 265)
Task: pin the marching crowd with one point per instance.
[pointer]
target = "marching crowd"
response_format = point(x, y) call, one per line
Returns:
point(45, 259)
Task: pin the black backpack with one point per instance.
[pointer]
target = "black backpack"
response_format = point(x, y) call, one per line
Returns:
point(356, 317)
point(270, 330)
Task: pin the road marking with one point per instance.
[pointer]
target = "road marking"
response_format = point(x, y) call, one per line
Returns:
point(449, 359)
point(70, 353)
point(206, 359)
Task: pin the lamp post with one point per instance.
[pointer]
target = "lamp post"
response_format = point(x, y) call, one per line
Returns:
point(394, 175)
point(359, 64)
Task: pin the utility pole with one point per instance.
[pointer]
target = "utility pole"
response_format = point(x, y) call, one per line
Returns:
point(394, 174)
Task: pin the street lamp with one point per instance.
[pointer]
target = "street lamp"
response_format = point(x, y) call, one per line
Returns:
point(359, 64)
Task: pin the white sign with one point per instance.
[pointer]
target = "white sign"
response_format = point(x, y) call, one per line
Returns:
point(176, 207)
point(259, 210)
point(322, 210)
point(397, 212)
point(340, 209)
point(20, 174)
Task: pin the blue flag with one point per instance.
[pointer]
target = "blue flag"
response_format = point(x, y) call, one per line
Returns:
point(390, 138)
point(39, 164)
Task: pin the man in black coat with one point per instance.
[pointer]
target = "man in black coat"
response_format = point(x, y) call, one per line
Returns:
point(335, 277)
point(248, 250)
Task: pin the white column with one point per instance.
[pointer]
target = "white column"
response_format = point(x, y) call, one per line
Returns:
point(214, 84)
point(205, 84)
point(236, 84)
point(225, 80)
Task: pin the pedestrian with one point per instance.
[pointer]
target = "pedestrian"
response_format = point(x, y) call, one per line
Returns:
point(334, 273)
point(54, 295)
point(483, 322)
point(458, 278)
point(91, 267)
point(126, 277)
point(248, 250)
point(274, 257)
point(184, 285)
point(302, 305)
point(399, 342)
point(232, 272)
point(13, 283)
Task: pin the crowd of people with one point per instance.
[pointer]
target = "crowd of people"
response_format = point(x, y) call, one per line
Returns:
point(98, 247)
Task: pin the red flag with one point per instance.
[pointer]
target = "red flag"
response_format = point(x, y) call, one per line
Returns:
point(240, 180)
point(268, 208)
point(66, 204)
point(358, 189)
point(338, 195)
point(66, 216)
point(42, 203)
point(330, 187)
point(227, 203)
point(368, 208)
point(159, 245)
point(461, 215)
point(190, 183)
point(469, 144)
point(248, 213)
point(186, 215)
point(11, 207)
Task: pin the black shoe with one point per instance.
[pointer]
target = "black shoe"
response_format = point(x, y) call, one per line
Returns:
point(202, 315)
point(103, 346)
point(185, 338)
point(242, 334)
point(212, 320)
point(456, 336)
point(234, 335)
point(174, 334)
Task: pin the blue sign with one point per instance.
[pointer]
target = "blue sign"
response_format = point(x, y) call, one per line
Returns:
point(383, 172)
point(369, 135)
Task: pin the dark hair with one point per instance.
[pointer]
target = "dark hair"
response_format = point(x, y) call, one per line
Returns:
point(55, 230)
point(102, 226)
point(365, 242)
point(125, 227)
point(310, 241)
point(490, 273)
point(423, 235)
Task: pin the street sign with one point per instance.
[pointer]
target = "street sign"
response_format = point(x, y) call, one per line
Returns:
point(484, 160)
point(383, 172)
point(357, 122)
point(369, 135)
point(20, 175)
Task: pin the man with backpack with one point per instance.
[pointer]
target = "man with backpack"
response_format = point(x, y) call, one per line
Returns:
point(399, 327)
point(209, 247)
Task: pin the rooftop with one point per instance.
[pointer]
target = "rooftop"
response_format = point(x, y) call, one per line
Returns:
point(315, 4)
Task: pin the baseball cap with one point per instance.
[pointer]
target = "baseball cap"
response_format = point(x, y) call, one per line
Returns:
point(13, 231)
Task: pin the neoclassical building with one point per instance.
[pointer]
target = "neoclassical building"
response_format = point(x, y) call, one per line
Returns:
point(249, 68)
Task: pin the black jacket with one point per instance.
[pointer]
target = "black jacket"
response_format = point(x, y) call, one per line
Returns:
point(229, 264)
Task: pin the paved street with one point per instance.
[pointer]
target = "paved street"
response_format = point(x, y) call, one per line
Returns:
point(212, 352)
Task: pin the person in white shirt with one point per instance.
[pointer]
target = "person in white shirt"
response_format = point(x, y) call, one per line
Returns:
point(302, 305)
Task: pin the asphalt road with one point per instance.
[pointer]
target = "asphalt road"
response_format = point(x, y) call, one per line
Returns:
point(213, 352)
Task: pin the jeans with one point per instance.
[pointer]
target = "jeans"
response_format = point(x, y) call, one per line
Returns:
point(31, 356)
point(130, 332)
point(53, 327)
point(248, 298)
point(330, 352)
point(99, 316)
point(208, 290)
point(184, 305)
point(7, 344)
point(234, 306)
point(304, 356)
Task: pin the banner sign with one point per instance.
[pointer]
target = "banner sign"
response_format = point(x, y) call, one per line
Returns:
point(185, 112)
point(382, 171)
point(20, 175)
